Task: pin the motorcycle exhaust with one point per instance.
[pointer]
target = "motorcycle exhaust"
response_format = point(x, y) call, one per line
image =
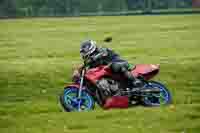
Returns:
point(149, 90)
point(141, 90)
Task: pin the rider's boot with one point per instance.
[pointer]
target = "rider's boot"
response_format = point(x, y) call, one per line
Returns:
point(135, 82)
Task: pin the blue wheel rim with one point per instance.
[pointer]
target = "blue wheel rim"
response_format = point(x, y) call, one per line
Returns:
point(72, 102)
point(157, 99)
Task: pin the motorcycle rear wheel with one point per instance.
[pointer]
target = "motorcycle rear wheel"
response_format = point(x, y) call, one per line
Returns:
point(162, 98)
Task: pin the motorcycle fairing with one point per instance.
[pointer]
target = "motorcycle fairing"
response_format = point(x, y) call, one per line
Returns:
point(116, 102)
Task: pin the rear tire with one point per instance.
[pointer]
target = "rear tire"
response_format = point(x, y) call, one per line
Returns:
point(163, 98)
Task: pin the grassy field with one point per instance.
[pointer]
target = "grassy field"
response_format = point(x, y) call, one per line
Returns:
point(36, 59)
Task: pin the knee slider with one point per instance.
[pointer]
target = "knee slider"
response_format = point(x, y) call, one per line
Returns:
point(116, 67)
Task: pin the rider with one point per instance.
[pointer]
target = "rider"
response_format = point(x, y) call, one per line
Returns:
point(94, 56)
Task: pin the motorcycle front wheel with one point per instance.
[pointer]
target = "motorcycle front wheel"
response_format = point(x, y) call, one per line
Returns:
point(70, 101)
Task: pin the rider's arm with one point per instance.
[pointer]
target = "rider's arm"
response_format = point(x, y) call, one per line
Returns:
point(103, 52)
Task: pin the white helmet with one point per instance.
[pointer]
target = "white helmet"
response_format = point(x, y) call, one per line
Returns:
point(87, 48)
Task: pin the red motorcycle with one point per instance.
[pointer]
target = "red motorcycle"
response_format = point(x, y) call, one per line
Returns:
point(99, 85)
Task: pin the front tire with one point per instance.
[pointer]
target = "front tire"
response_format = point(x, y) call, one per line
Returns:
point(163, 98)
point(70, 102)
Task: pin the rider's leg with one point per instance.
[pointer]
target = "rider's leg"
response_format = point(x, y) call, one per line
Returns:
point(121, 66)
point(134, 81)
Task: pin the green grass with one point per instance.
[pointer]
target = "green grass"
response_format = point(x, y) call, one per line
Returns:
point(36, 59)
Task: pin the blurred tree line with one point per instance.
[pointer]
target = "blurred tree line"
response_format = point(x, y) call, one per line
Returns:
point(14, 8)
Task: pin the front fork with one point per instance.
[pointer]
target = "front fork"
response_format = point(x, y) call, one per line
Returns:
point(80, 89)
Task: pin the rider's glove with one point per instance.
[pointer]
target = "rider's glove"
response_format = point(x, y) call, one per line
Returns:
point(89, 60)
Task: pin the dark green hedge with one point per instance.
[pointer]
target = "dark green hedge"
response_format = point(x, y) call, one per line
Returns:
point(17, 8)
